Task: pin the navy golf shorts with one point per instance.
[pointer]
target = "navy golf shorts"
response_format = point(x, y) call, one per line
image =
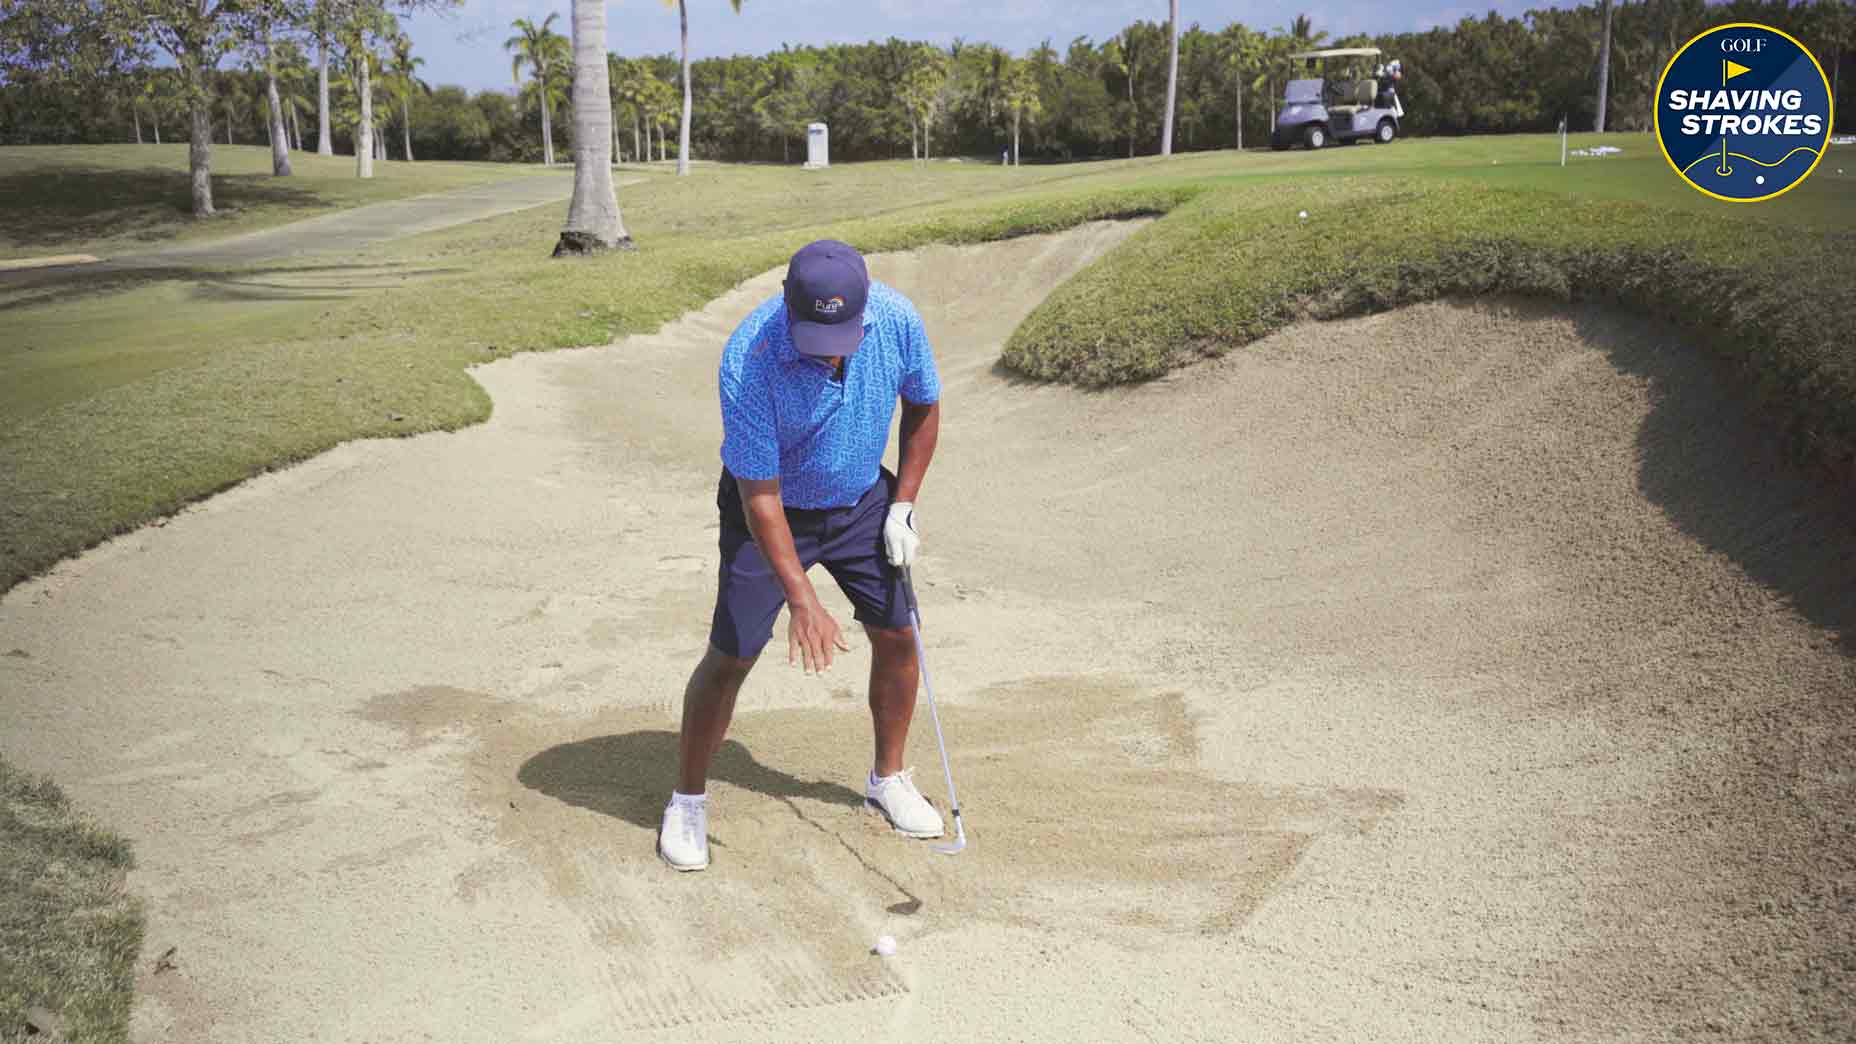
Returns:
point(847, 541)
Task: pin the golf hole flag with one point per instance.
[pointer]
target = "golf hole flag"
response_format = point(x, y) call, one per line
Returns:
point(1743, 112)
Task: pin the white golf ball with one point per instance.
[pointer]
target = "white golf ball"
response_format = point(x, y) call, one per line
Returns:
point(885, 946)
point(1760, 180)
point(1303, 214)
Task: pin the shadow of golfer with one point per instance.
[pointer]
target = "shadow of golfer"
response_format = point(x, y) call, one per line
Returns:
point(629, 776)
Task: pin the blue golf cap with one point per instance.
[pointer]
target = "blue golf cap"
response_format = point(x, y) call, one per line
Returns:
point(826, 287)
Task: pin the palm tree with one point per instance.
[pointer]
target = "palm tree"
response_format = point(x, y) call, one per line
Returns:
point(293, 73)
point(1172, 76)
point(1604, 67)
point(1021, 96)
point(683, 137)
point(923, 85)
point(1240, 54)
point(593, 221)
point(630, 89)
point(325, 140)
point(402, 83)
point(280, 139)
point(660, 112)
point(544, 51)
point(357, 39)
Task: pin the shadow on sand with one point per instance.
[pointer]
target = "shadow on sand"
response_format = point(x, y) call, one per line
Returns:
point(1719, 472)
point(628, 776)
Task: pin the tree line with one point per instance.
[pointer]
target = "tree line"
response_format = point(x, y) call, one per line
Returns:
point(260, 71)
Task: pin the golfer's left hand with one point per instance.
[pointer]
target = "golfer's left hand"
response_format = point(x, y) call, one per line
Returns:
point(900, 539)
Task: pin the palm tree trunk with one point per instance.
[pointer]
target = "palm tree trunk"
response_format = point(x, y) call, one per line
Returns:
point(157, 119)
point(364, 131)
point(1240, 114)
point(325, 141)
point(296, 128)
point(1172, 78)
point(280, 138)
point(406, 124)
point(136, 114)
point(683, 136)
point(547, 123)
point(1015, 117)
point(229, 140)
point(637, 152)
point(915, 146)
point(593, 221)
point(1604, 70)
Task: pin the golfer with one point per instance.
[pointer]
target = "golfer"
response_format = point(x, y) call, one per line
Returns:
point(809, 385)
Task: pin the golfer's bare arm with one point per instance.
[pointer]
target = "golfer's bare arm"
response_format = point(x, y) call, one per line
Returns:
point(813, 636)
point(921, 429)
point(766, 514)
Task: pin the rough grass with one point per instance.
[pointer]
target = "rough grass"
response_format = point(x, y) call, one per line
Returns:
point(61, 199)
point(120, 403)
point(1235, 265)
point(123, 407)
point(69, 933)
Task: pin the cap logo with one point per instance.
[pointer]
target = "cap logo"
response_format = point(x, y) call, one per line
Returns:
point(830, 306)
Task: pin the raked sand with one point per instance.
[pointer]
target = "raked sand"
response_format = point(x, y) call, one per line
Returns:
point(1471, 672)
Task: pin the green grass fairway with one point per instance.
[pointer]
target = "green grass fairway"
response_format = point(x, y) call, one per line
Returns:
point(103, 199)
point(121, 401)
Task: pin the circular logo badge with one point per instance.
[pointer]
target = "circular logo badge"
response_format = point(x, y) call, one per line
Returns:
point(1743, 112)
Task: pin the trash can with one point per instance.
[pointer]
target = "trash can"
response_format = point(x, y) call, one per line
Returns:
point(818, 146)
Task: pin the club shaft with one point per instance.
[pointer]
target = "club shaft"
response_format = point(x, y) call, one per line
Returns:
point(921, 657)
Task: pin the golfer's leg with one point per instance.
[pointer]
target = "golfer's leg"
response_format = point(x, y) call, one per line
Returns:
point(708, 706)
point(748, 599)
point(893, 673)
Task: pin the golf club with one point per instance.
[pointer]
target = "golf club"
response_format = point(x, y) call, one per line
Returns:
point(921, 655)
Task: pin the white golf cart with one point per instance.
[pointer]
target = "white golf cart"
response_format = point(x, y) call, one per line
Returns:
point(1320, 110)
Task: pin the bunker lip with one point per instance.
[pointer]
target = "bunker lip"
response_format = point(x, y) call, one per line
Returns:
point(1473, 656)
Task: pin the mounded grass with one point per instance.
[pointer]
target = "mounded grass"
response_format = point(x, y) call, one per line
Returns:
point(1233, 266)
point(104, 199)
point(123, 401)
point(122, 407)
point(69, 933)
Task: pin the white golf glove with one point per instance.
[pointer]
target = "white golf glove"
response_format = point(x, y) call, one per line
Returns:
point(899, 537)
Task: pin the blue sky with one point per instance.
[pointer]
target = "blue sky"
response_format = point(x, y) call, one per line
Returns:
point(465, 46)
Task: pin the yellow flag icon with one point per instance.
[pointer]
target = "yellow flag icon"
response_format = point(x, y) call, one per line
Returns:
point(1734, 69)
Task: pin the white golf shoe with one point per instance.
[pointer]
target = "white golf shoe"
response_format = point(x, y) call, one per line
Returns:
point(903, 805)
point(683, 839)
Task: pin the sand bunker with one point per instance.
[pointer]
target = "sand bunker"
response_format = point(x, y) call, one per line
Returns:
point(1468, 672)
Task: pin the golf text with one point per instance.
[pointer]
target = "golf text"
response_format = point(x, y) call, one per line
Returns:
point(1750, 112)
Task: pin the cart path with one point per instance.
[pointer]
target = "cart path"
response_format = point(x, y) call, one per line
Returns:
point(346, 231)
point(1465, 673)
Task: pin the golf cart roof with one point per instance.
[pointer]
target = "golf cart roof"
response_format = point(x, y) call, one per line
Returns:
point(1340, 52)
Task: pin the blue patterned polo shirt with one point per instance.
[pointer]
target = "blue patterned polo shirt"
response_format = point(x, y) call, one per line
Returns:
point(785, 416)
